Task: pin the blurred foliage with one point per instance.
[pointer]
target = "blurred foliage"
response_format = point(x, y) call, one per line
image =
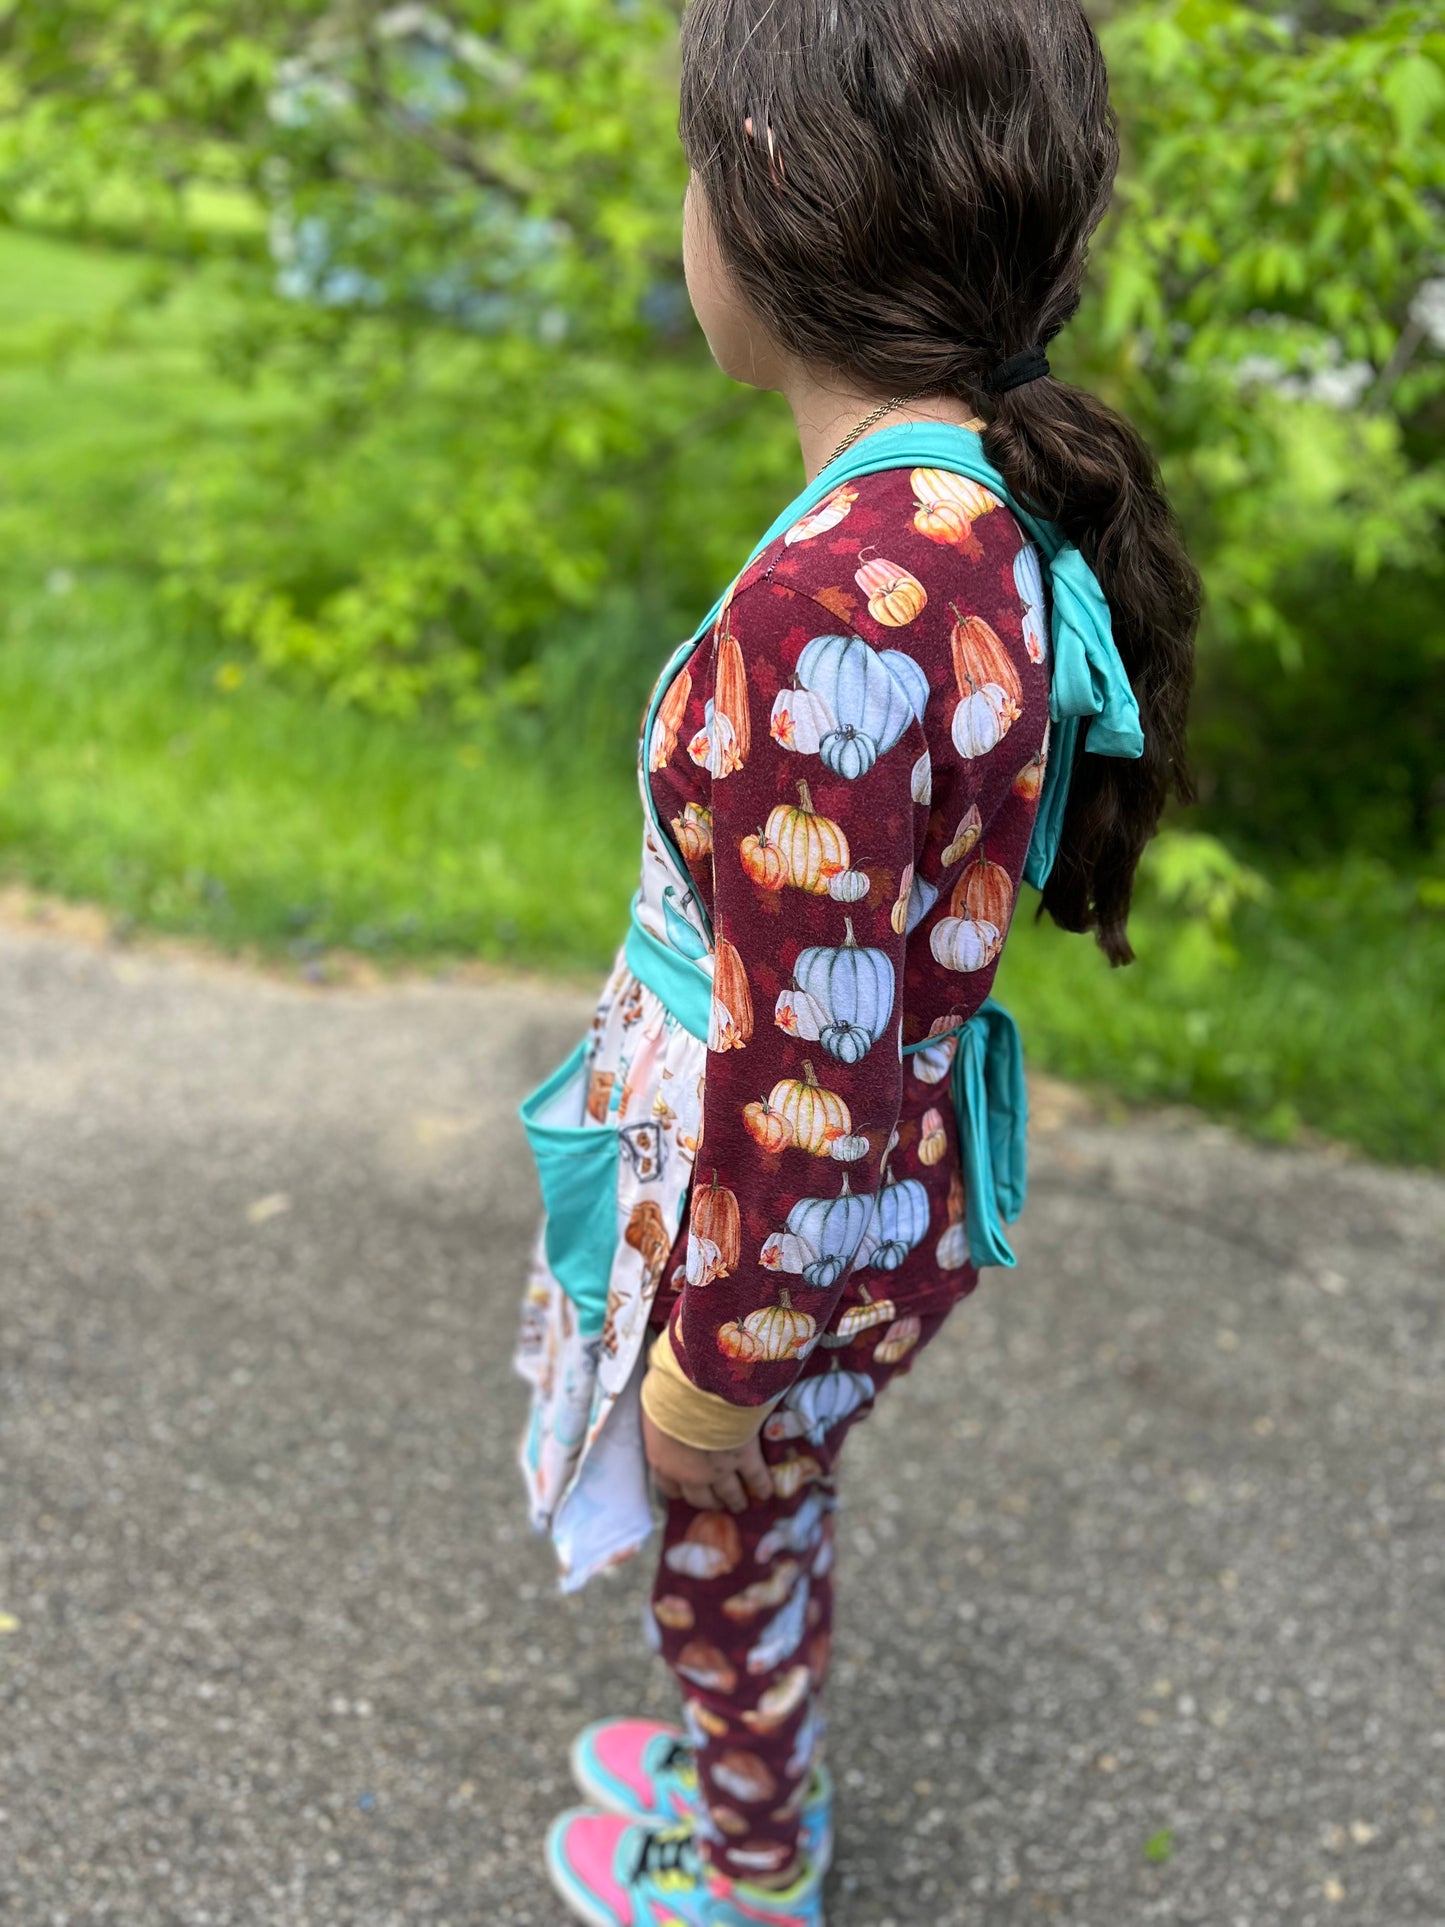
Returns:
point(366, 372)
point(505, 473)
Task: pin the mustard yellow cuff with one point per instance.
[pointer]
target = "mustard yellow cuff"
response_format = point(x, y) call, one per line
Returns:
point(693, 1417)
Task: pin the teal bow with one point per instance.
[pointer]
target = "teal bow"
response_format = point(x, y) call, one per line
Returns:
point(1088, 684)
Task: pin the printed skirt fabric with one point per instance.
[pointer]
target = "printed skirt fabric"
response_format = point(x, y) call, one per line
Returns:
point(582, 1456)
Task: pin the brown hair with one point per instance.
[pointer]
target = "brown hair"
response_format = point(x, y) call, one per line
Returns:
point(919, 213)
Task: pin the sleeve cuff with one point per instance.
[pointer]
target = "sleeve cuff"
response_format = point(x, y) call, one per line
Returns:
point(693, 1417)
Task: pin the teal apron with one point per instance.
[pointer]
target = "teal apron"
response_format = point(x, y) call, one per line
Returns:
point(577, 1161)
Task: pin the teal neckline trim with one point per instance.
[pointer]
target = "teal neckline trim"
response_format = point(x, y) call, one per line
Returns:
point(1087, 685)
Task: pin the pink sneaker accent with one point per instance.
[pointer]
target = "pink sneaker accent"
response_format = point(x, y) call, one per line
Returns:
point(620, 1749)
point(584, 1845)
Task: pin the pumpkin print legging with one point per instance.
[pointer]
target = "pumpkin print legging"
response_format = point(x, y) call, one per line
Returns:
point(743, 1605)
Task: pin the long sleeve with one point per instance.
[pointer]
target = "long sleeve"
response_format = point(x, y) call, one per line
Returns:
point(851, 769)
point(818, 763)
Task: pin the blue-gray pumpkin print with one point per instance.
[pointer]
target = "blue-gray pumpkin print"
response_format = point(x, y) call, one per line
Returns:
point(871, 694)
point(899, 1223)
point(855, 985)
point(828, 1232)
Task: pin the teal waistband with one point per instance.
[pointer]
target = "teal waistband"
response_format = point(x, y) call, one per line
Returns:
point(990, 1103)
point(684, 988)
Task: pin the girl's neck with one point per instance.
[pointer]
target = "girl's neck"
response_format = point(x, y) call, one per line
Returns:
point(824, 412)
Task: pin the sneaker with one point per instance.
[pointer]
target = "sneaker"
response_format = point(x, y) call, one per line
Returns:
point(613, 1872)
point(644, 1770)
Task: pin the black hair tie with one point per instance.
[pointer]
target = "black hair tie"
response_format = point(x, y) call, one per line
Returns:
point(1017, 371)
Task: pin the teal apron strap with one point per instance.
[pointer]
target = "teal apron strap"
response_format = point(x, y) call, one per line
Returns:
point(990, 1103)
point(1087, 683)
point(683, 988)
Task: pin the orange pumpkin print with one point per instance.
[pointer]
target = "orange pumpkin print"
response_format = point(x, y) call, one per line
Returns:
point(775, 1331)
point(768, 1128)
point(715, 1218)
point(970, 829)
point(711, 1548)
point(980, 658)
point(861, 1318)
point(744, 1776)
point(894, 596)
point(815, 1116)
point(709, 1721)
point(984, 892)
point(932, 1142)
point(791, 1475)
point(707, 1666)
point(599, 1094)
point(764, 861)
point(899, 1339)
point(674, 1612)
point(947, 505)
point(814, 847)
point(693, 830)
point(731, 1024)
point(736, 1342)
point(668, 720)
point(730, 696)
point(1030, 779)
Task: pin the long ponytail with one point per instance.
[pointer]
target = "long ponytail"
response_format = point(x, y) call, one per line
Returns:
point(1089, 471)
point(919, 212)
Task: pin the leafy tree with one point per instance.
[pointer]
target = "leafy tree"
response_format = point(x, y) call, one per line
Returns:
point(501, 472)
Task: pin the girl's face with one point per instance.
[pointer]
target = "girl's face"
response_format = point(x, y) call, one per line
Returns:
point(740, 344)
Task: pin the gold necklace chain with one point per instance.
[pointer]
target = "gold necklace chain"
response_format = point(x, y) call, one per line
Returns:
point(875, 415)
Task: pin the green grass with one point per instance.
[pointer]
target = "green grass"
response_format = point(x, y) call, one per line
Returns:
point(128, 776)
point(144, 769)
point(1324, 1014)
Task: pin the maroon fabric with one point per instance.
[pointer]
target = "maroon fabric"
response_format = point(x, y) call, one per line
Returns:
point(796, 591)
point(751, 1662)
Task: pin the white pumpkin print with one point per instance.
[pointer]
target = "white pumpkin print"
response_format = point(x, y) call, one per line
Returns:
point(798, 1532)
point(832, 510)
point(764, 1594)
point(965, 943)
point(782, 1635)
point(1029, 582)
point(849, 886)
point(921, 782)
point(704, 1260)
point(781, 1251)
point(800, 720)
point(931, 1061)
point(951, 1251)
point(744, 1776)
point(715, 744)
point(805, 1745)
point(981, 721)
point(800, 1014)
point(781, 1700)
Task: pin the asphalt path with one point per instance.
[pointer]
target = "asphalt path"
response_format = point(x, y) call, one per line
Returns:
point(1142, 1598)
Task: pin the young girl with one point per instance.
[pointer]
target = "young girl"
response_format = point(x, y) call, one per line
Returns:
point(959, 661)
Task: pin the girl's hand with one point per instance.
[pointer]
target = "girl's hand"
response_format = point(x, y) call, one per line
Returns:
point(709, 1481)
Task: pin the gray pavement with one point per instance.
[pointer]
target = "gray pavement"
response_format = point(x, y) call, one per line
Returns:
point(1148, 1549)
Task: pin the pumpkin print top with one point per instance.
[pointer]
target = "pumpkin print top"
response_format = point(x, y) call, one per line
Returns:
point(850, 762)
